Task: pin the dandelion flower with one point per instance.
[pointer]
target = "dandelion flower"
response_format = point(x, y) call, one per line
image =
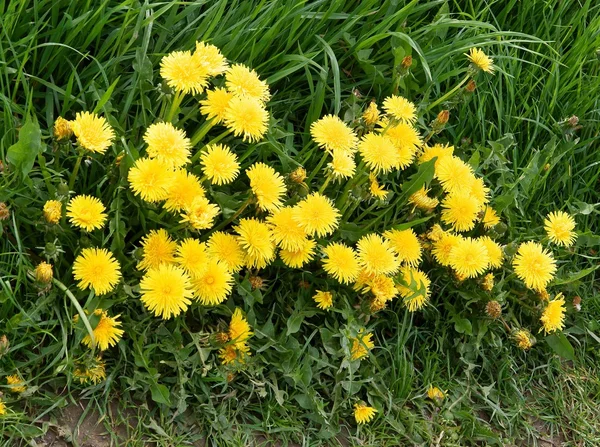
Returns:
point(256, 240)
point(400, 108)
point(86, 212)
point(342, 165)
point(92, 131)
point(421, 200)
point(158, 248)
point(287, 233)
point(44, 273)
point(96, 268)
point(214, 107)
point(166, 291)
point(437, 150)
point(183, 190)
point(239, 329)
point(479, 192)
point(219, 164)
point(454, 174)
point(376, 255)
point(443, 247)
point(268, 186)
point(296, 258)
point(191, 256)
point(490, 218)
point(371, 114)
point(210, 58)
point(361, 345)
point(107, 332)
point(523, 339)
point(460, 211)
point(469, 257)
point(200, 214)
point(376, 189)
point(151, 179)
point(168, 144)
point(341, 262)
point(244, 82)
point(94, 371)
point(52, 211)
point(363, 413)
point(332, 134)
point(225, 247)
point(406, 140)
point(435, 394)
point(416, 291)
point(184, 72)
point(247, 117)
point(323, 299)
point(553, 317)
point(379, 153)
point(383, 288)
point(213, 283)
point(15, 384)
point(495, 254)
point(406, 245)
point(481, 61)
point(316, 214)
point(2, 408)
point(534, 265)
point(62, 129)
point(488, 282)
point(559, 226)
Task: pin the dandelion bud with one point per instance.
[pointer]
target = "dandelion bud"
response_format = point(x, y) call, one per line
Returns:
point(222, 337)
point(119, 159)
point(471, 86)
point(488, 282)
point(407, 62)
point(304, 284)
point(523, 339)
point(4, 345)
point(298, 175)
point(62, 129)
point(435, 394)
point(43, 272)
point(547, 167)
point(493, 309)
point(443, 117)
point(577, 302)
point(543, 295)
point(4, 211)
point(1, 167)
point(62, 189)
point(256, 282)
point(52, 211)
point(371, 114)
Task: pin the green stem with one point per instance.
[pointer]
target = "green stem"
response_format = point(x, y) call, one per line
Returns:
point(450, 93)
point(200, 133)
point(174, 106)
point(75, 170)
point(234, 217)
point(80, 311)
point(318, 168)
point(341, 203)
point(324, 185)
point(49, 186)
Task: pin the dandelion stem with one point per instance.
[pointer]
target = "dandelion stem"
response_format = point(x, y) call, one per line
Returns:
point(450, 93)
point(174, 106)
point(200, 133)
point(234, 217)
point(75, 170)
point(325, 183)
point(318, 168)
point(80, 311)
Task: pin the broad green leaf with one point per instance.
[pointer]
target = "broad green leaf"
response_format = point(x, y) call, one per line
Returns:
point(294, 323)
point(160, 394)
point(422, 177)
point(559, 343)
point(23, 153)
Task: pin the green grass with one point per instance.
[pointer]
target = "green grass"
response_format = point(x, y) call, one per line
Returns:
point(59, 57)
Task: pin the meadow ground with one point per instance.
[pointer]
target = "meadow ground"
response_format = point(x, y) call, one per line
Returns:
point(531, 129)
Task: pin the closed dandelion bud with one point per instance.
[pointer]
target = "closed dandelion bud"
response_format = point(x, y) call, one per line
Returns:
point(471, 86)
point(493, 309)
point(371, 114)
point(488, 282)
point(298, 175)
point(4, 211)
point(407, 62)
point(119, 159)
point(230, 377)
point(1, 167)
point(459, 277)
point(547, 167)
point(577, 302)
point(52, 211)
point(523, 339)
point(62, 129)
point(138, 254)
point(85, 241)
point(222, 337)
point(62, 189)
point(43, 272)
point(51, 250)
point(435, 394)
point(4, 345)
point(256, 282)
point(304, 284)
point(543, 295)
point(443, 117)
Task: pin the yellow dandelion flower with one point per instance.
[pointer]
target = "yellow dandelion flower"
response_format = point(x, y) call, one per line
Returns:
point(460, 211)
point(166, 291)
point(219, 164)
point(213, 283)
point(239, 330)
point(286, 232)
point(184, 188)
point(400, 108)
point(214, 107)
point(44, 273)
point(376, 255)
point(52, 211)
point(443, 247)
point(316, 214)
point(376, 189)
point(435, 394)
point(323, 299)
point(2, 408)
point(469, 257)
point(184, 72)
point(247, 117)
point(93, 371)
point(406, 140)
point(168, 144)
point(158, 249)
point(553, 317)
point(488, 282)
point(415, 291)
point(96, 268)
point(341, 262)
point(363, 413)
point(437, 150)
point(379, 153)
point(228, 354)
point(268, 186)
point(191, 256)
point(454, 174)
point(151, 179)
point(244, 82)
point(332, 134)
point(15, 384)
point(297, 257)
point(495, 254)
point(421, 200)
point(210, 58)
point(106, 333)
point(361, 345)
point(490, 218)
point(371, 114)
point(559, 226)
point(342, 165)
point(523, 339)
point(435, 233)
point(86, 212)
point(382, 287)
point(479, 192)
point(256, 240)
point(92, 131)
point(225, 248)
point(200, 214)
point(62, 129)
point(406, 245)
point(534, 265)
point(479, 59)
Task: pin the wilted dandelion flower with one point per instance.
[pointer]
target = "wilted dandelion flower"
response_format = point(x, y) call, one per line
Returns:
point(191, 256)
point(268, 186)
point(443, 246)
point(62, 129)
point(216, 103)
point(534, 265)
point(406, 140)
point(454, 174)
point(416, 291)
point(94, 371)
point(158, 249)
point(244, 82)
point(86, 212)
point(490, 218)
point(166, 291)
point(488, 282)
point(52, 211)
point(256, 240)
point(106, 333)
point(379, 153)
point(229, 354)
point(200, 214)
point(437, 150)
point(363, 413)
point(316, 214)
point(479, 59)
point(559, 226)
point(213, 283)
point(184, 72)
point(15, 384)
point(332, 134)
point(168, 144)
point(371, 114)
point(341, 262)
point(435, 394)
point(96, 268)
point(495, 254)
point(296, 258)
point(376, 189)
point(523, 339)
point(43, 273)
point(342, 165)
point(219, 164)
point(210, 57)
point(469, 257)
point(184, 188)
point(400, 108)
point(285, 230)
point(247, 117)
point(406, 245)
point(323, 299)
point(92, 131)
point(460, 211)
point(225, 247)
point(553, 317)
point(421, 200)
point(151, 179)
point(376, 255)
point(361, 345)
